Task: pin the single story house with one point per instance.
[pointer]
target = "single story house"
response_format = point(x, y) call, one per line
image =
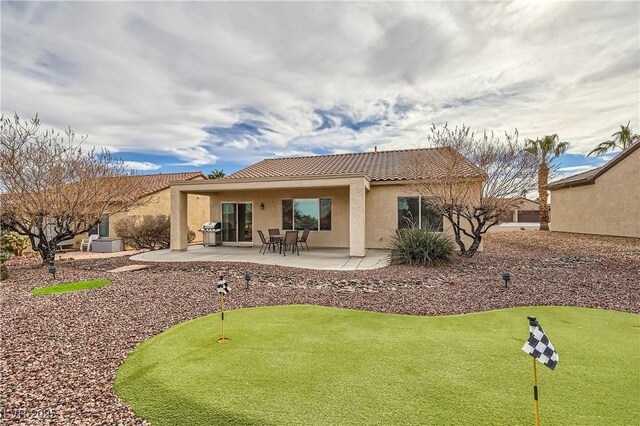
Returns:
point(155, 199)
point(525, 211)
point(354, 201)
point(603, 201)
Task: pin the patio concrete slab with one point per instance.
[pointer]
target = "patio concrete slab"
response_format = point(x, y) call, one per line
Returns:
point(317, 258)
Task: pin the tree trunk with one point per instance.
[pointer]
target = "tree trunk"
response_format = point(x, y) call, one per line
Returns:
point(456, 233)
point(458, 240)
point(473, 248)
point(46, 253)
point(543, 178)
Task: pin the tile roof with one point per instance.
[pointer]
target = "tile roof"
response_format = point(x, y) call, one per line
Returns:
point(142, 186)
point(579, 177)
point(149, 184)
point(589, 177)
point(377, 165)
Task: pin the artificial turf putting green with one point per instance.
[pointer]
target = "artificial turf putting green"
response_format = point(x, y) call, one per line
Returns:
point(69, 287)
point(310, 365)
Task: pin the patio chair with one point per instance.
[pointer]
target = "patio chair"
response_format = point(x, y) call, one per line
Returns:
point(66, 243)
point(86, 242)
point(303, 239)
point(266, 243)
point(291, 239)
point(274, 235)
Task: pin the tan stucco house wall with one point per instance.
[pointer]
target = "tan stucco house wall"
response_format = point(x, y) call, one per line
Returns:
point(608, 204)
point(382, 214)
point(160, 203)
point(271, 216)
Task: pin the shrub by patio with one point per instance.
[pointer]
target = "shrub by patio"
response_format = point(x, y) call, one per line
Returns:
point(147, 232)
point(418, 246)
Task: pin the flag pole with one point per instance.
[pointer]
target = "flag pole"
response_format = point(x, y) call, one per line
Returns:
point(223, 289)
point(222, 339)
point(535, 391)
point(532, 320)
point(541, 349)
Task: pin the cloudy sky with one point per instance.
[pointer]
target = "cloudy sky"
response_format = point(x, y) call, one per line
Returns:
point(202, 86)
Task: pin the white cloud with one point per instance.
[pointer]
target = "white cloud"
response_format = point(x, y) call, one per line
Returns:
point(151, 77)
point(140, 165)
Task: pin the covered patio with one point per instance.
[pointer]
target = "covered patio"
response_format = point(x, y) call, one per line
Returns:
point(317, 258)
point(333, 205)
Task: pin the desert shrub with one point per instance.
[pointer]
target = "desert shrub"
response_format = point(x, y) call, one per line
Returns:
point(147, 232)
point(417, 246)
point(13, 243)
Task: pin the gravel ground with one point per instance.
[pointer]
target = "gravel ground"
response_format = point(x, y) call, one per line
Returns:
point(59, 353)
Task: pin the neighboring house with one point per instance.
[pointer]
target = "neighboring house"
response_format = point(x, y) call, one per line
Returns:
point(354, 201)
point(602, 201)
point(526, 211)
point(155, 198)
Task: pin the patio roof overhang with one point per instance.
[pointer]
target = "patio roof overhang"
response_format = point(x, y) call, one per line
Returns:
point(358, 184)
point(245, 184)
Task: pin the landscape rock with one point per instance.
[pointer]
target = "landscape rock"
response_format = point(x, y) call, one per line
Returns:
point(59, 354)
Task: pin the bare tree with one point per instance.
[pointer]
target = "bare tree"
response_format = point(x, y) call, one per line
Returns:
point(52, 190)
point(475, 180)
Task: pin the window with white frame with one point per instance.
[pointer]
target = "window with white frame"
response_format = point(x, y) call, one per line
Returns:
point(415, 212)
point(101, 229)
point(312, 213)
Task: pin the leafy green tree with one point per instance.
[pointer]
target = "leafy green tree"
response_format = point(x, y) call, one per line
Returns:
point(545, 151)
point(621, 139)
point(216, 174)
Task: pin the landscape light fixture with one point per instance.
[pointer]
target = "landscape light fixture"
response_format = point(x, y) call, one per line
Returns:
point(261, 206)
point(247, 277)
point(52, 268)
point(506, 277)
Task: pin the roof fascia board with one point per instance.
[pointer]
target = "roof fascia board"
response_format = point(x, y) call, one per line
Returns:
point(555, 187)
point(216, 185)
point(226, 181)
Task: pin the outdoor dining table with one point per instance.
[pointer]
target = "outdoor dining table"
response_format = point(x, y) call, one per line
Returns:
point(280, 238)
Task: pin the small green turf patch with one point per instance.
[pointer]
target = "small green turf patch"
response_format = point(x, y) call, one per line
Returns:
point(310, 365)
point(69, 287)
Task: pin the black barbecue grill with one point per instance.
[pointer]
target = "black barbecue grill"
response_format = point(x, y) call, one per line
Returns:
point(211, 234)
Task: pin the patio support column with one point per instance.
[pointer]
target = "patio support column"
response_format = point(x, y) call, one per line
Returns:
point(357, 194)
point(178, 220)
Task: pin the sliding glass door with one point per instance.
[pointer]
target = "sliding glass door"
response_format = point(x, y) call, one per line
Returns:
point(237, 222)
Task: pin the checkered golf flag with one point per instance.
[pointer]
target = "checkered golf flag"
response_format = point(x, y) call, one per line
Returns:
point(223, 287)
point(539, 346)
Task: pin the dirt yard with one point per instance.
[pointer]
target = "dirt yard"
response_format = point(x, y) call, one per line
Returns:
point(59, 353)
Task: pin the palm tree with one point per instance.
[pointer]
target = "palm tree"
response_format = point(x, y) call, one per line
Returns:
point(545, 150)
point(622, 139)
point(216, 174)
